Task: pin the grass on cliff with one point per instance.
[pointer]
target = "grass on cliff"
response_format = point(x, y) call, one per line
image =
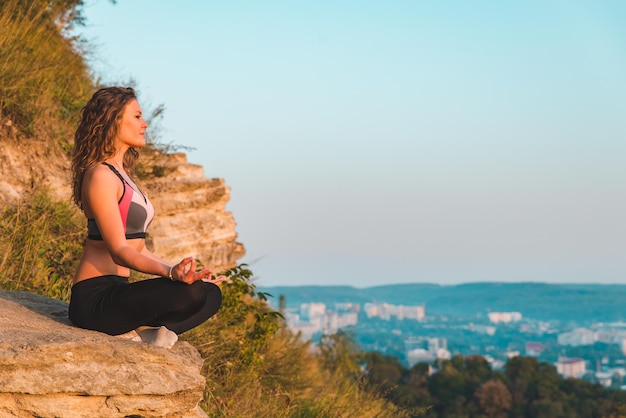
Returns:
point(44, 79)
point(40, 246)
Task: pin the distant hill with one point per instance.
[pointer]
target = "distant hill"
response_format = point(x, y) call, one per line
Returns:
point(576, 302)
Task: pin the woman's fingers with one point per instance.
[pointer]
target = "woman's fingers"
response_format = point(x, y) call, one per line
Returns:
point(207, 272)
point(203, 274)
point(215, 280)
point(190, 267)
point(191, 272)
point(219, 279)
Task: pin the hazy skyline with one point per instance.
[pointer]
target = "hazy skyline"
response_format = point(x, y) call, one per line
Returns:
point(384, 142)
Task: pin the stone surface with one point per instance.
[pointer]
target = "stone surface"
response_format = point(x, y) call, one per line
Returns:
point(48, 368)
point(191, 216)
point(27, 164)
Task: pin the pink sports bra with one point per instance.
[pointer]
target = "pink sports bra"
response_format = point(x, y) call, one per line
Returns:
point(135, 209)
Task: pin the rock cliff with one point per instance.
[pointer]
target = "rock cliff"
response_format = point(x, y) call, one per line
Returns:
point(191, 215)
point(49, 368)
point(26, 164)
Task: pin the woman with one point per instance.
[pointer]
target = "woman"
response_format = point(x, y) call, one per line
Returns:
point(156, 310)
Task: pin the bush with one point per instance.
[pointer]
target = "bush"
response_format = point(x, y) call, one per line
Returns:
point(40, 242)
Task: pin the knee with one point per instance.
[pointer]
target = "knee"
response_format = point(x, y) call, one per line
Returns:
point(214, 294)
point(193, 294)
point(213, 298)
point(205, 293)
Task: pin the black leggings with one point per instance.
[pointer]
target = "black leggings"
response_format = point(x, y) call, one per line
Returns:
point(112, 305)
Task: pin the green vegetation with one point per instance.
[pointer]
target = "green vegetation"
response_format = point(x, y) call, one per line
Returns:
point(468, 387)
point(40, 243)
point(43, 78)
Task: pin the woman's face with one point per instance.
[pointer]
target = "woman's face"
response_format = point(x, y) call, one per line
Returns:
point(132, 128)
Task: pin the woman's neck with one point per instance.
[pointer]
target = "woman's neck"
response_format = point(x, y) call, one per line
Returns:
point(117, 160)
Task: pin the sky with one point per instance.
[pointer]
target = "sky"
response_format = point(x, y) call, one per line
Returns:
point(378, 142)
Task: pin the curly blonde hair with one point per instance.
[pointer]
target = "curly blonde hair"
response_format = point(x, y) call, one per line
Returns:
point(94, 140)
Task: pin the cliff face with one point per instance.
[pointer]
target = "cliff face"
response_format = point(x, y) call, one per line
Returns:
point(25, 164)
point(49, 368)
point(191, 217)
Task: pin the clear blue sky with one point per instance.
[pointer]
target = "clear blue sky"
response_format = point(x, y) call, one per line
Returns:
point(375, 142)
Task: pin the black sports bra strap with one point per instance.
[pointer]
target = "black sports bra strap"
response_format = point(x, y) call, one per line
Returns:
point(117, 173)
point(124, 181)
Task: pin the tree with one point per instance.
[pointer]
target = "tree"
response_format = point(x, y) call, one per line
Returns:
point(494, 398)
point(341, 355)
point(521, 372)
point(448, 388)
point(384, 372)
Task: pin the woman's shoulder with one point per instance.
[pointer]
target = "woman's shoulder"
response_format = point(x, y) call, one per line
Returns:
point(100, 173)
point(100, 183)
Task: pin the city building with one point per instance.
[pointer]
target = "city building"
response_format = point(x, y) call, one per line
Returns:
point(420, 355)
point(571, 367)
point(347, 307)
point(313, 318)
point(497, 317)
point(426, 350)
point(577, 337)
point(312, 310)
point(386, 311)
point(482, 329)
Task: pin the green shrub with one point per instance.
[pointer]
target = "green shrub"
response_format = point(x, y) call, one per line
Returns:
point(40, 242)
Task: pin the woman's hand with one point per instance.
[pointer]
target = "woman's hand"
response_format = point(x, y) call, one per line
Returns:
point(185, 272)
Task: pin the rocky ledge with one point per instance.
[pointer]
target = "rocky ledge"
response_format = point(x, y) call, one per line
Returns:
point(48, 368)
point(191, 217)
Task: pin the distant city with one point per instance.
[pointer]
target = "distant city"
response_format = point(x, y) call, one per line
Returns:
point(595, 351)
